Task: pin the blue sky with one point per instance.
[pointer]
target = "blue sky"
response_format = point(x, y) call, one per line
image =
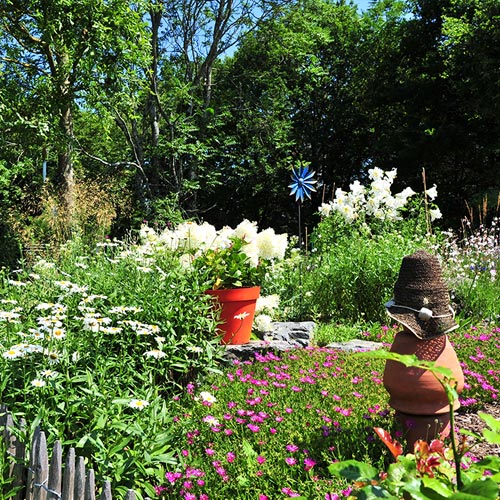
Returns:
point(362, 4)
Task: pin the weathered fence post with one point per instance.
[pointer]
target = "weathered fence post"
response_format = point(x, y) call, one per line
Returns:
point(15, 449)
point(40, 466)
point(42, 480)
point(55, 473)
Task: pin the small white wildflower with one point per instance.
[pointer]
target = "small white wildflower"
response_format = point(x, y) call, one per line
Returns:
point(53, 357)
point(155, 353)
point(138, 404)
point(111, 329)
point(38, 382)
point(9, 316)
point(16, 283)
point(44, 306)
point(207, 397)
point(58, 333)
point(12, 353)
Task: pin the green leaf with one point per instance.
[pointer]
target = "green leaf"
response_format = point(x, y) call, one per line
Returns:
point(491, 463)
point(492, 437)
point(438, 485)
point(483, 489)
point(353, 470)
point(492, 422)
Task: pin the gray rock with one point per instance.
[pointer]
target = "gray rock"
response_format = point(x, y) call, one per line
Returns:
point(289, 335)
point(282, 337)
point(355, 345)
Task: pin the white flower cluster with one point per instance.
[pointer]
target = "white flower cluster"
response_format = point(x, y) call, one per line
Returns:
point(196, 238)
point(264, 310)
point(375, 200)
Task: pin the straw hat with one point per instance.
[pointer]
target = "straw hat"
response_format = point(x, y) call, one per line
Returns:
point(421, 299)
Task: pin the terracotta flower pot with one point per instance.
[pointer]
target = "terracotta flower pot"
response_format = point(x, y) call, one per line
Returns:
point(417, 396)
point(237, 310)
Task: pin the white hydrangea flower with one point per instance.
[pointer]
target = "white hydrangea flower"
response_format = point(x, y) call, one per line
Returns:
point(262, 323)
point(147, 234)
point(194, 236)
point(246, 230)
point(223, 239)
point(267, 303)
point(169, 239)
point(271, 245)
point(252, 252)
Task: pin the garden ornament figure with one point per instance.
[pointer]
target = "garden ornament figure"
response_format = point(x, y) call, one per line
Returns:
point(421, 304)
point(421, 300)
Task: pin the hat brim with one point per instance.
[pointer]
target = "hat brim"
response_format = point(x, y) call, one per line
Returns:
point(422, 329)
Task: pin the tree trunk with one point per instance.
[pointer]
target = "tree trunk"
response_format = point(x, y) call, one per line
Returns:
point(156, 17)
point(65, 160)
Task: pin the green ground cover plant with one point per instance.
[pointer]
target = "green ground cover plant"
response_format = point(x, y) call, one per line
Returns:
point(271, 428)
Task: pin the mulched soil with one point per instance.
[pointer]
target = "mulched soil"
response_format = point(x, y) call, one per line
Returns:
point(470, 420)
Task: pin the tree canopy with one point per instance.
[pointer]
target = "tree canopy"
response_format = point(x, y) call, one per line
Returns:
point(204, 107)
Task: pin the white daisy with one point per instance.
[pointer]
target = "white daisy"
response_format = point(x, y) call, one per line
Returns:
point(13, 353)
point(207, 397)
point(155, 353)
point(138, 404)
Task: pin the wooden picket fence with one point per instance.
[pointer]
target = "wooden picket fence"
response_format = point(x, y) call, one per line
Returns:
point(44, 479)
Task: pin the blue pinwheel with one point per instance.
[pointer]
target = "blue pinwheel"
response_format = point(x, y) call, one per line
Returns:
point(303, 183)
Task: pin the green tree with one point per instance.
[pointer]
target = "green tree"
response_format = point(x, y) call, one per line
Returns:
point(57, 56)
point(432, 95)
point(289, 94)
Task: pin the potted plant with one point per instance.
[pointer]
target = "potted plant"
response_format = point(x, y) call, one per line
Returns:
point(231, 263)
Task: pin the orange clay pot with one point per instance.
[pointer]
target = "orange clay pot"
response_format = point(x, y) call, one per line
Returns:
point(237, 310)
point(418, 398)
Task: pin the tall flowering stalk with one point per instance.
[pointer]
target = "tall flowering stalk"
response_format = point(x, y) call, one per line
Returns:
point(376, 202)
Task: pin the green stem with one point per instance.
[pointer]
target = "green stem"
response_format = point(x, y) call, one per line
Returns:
point(456, 455)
